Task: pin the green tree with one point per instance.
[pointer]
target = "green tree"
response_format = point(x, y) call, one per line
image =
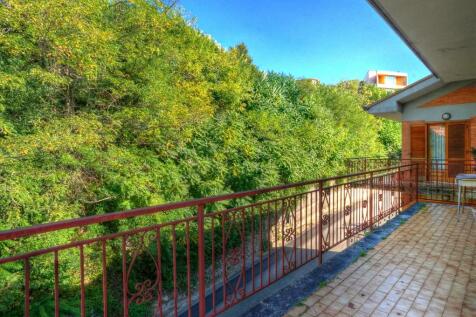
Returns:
point(111, 105)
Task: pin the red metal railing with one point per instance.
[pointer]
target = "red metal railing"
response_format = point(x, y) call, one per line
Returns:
point(209, 258)
point(436, 177)
point(365, 164)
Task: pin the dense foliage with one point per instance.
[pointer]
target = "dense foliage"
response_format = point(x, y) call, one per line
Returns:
point(110, 105)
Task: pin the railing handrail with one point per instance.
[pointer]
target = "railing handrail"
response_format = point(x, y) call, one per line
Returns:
point(137, 212)
point(407, 159)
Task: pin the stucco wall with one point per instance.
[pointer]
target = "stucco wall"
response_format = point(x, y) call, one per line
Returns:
point(413, 112)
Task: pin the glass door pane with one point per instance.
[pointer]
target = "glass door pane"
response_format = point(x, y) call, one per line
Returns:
point(437, 146)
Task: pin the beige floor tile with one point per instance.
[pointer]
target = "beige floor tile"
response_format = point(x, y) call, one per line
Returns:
point(297, 310)
point(427, 267)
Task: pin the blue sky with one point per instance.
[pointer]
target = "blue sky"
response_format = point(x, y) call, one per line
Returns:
point(331, 40)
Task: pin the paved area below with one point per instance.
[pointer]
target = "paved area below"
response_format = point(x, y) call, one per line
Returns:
point(427, 267)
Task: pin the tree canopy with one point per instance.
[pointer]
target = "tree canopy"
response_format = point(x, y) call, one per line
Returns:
point(111, 105)
point(108, 105)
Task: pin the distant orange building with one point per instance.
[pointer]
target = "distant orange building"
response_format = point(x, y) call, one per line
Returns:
point(387, 79)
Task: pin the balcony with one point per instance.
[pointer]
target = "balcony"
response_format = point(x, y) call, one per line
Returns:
point(194, 258)
point(436, 178)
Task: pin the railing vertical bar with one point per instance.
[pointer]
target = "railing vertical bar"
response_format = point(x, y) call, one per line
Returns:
point(223, 255)
point(261, 245)
point(352, 209)
point(385, 193)
point(27, 286)
point(365, 207)
point(159, 273)
point(276, 250)
point(335, 230)
point(189, 278)
point(371, 201)
point(331, 232)
point(301, 236)
point(306, 227)
point(312, 224)
point(125, 287)
point(388, 190)
point(213, 266)
point(201, 260)
point(253, 248)
point(382, 203)
point(269, 243)
point(360, 207)
point(335, 194)
point(83, 293)
point(243, 250)
point(382, 193)
point(104, 278)
point(174, 269)
point(283, 216)
point(416, 183)
point(56, 274)
point(295, 238)
point(317, 220)
point(341, 219)
point(358, 211)
point(339, 213)
point(321, 204)
point(399, 178)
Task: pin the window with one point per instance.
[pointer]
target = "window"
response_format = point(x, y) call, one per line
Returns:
point(437, 146)
point(390, 80)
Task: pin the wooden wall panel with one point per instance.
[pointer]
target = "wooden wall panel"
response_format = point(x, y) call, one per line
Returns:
point(456, 141)
point(406, 149)
point(418, 141)
point(459, 96)
point(472, 135)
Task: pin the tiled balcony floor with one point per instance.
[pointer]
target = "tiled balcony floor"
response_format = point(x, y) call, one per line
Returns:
point(427, 267)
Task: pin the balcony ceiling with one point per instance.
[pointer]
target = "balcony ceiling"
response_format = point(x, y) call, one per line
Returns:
point(441, 32)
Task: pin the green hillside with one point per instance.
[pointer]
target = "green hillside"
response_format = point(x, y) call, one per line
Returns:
point(111, 105)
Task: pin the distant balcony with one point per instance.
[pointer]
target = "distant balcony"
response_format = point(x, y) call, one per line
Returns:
point(436, 178)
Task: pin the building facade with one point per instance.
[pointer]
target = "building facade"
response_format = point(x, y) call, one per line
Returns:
point(438, 122)
point(387, 79)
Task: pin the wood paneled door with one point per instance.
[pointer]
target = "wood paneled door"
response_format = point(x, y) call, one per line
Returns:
point(442, 146)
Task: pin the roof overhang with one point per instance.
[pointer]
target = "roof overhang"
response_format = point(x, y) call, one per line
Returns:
point(441, 32)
